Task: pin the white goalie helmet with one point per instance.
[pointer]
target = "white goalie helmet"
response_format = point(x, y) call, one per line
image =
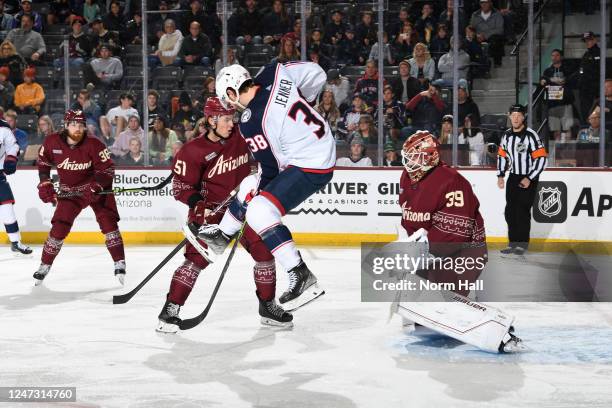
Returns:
point(231, 77)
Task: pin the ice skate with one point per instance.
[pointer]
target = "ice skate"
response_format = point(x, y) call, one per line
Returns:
point(303, 288)
point(507, 252)
point(511, 343)
point(19, 249)
point(216, 241)
point(274, 315)
point(168, 318)
point(41, 273)
point(120, 271)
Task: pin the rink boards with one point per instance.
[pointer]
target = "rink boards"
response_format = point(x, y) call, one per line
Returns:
point(357, 205)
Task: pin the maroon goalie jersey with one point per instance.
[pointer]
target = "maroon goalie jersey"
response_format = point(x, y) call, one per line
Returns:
point(211, 169)
point(444, 204)
point(77, 165)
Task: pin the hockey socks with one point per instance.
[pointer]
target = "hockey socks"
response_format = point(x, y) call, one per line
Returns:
point(114, 244)
point(264, 274)
point(51, 249)
point(182, 282)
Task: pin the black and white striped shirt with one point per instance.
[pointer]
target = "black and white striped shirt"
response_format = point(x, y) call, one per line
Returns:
point(522, 153)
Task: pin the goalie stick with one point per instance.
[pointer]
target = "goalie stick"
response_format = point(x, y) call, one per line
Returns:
point(120, 299)
point(120, 190)
point(194, 321)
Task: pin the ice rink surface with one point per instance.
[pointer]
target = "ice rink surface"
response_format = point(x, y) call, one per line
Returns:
point(341, 353)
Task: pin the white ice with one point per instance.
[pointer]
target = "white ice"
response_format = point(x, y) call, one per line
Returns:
point(341, 353)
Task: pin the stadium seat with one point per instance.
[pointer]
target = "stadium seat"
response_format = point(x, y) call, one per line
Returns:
point(167, 77)
point(257, 59)
point(197, 71)
point(27, 122)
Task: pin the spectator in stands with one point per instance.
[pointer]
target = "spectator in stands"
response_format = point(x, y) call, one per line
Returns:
point(391, 158)
point(339, 86)
point(329, 110)
point(446, 130)
point(60, 12)
point(104, 72)
point(114, 20)
point(288, 50)
point(446, 64)
point(245, 24)
point(195, 13)
point(13, 61)
point(26, 10)
point(21, 135)
point(388, 56)
point(102, 36)
point(276, 23)
point(315, 55)
point(80, 46)
point(90, 108)
point(489, 25)
point(350, 119)
point(122, 143)
point(559, 96)
point(316, 40)
point(133, 31)
point(157, 21)
point(160, 141)
point(473, 137)
point(440, 44)
point(405, 40)
point(176, 146)
point(467, 106)
point(91, 11)
point(134, 156)
point(334, 30)
point(231, 60)
point(422, 66)
point(588, 82)
point(367, 85)
point(476, 53)
point(199, 129)
point(348, 50)
point(44, 128)
point(153, 106)
point(168, 47)
point(186, 115)
point(207, 92)
point(29, 44)
point(405, 87)
point(365, 130)
point(180, 129)
point(395, 114)
point(608, 104)
point(357, 157)
point(196, 48)
point(29, 95)
point(395, 27)
point(447, 17)
point(7, 21)
point(116, 119)
point(7, 89)
point(593, 132)
point(366, 31)
point(426, 108)
point(426, 24)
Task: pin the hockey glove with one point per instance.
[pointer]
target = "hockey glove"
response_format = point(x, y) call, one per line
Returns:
point(199, 213)
point(10, 164)
point(46, 192)
point(91, 190)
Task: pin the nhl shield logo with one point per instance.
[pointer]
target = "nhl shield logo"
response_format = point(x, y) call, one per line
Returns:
point(550, 201)
point(246, 115)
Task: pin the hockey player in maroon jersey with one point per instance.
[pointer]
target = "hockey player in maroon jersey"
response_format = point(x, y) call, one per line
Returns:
point(84, 166)
point(440, 209)
point(206, 170)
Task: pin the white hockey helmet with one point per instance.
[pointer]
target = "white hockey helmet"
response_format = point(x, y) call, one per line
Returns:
point(231, 77)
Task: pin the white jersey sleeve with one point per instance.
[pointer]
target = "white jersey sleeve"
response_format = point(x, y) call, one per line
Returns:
point(309, 77)
point(8, 143)
point(281, 128)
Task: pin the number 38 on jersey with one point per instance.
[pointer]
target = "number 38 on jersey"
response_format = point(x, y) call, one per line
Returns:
point(256, 143)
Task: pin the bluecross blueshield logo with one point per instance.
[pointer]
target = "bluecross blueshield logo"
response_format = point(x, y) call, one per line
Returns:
point(550, 205)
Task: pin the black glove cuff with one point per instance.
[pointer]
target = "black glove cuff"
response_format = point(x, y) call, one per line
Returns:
point(193, 200)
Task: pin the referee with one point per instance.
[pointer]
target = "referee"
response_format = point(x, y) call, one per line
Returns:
point(522, 153)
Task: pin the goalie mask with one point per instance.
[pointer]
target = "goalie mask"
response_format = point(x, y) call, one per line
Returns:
point(420, 154)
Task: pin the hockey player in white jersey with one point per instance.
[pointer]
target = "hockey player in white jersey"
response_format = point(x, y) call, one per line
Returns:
point(296, 152)
point(9, 151)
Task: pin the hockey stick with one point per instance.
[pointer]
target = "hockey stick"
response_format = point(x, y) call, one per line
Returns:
point(120, 299)
point(120, 190)
point(194, 321)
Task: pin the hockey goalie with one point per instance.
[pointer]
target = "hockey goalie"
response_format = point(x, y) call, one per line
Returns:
point(440, 209)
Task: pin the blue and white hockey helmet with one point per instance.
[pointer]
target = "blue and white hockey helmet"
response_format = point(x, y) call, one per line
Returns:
point(231, 77)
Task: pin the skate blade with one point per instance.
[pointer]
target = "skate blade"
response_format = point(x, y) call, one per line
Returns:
point(38, 282)
point(266, 321)
point(312, 293)
point(515, 347)
point(167, 328)
point(121, 278)
point(207, 253)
